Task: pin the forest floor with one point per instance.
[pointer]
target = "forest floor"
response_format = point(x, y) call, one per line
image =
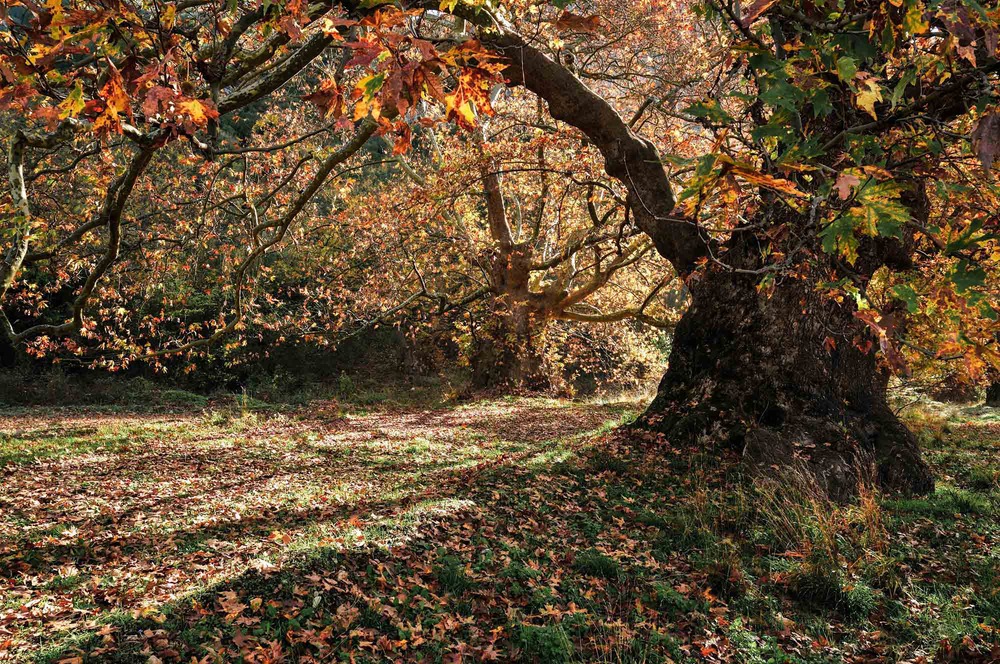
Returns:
point(505, 529)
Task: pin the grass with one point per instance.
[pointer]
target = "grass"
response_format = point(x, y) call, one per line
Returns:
point(511, 530)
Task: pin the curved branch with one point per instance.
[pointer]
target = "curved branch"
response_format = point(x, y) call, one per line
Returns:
point(628, 158)
point(111, 214)
point(620, 315)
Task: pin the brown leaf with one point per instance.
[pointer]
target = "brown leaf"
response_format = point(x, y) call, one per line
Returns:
point(756, 9)
point(570, 22)
point(769, 182)
point(845, 182)
point(329, 98)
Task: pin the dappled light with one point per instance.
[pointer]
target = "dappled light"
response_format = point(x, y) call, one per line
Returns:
point(124, 513)
point(543, 331)
point(501, 529)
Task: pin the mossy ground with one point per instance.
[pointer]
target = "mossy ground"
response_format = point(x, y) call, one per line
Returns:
point(512, 529)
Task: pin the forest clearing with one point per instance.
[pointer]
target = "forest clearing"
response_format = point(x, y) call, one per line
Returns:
point(517, 528)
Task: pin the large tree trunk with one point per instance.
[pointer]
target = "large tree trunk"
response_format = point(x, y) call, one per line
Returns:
point(784, 376)
point(510, 354)
point(753, 368)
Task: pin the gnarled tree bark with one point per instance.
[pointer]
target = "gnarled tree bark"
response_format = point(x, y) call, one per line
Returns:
point(788, 378)
point(755, 369)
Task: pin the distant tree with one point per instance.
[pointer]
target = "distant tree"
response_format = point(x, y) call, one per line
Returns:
point(514, 233)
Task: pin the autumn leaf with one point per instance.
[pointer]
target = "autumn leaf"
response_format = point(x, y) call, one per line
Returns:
point(290, 27)
point(868, 96)
point(365, 91)
point(331, 27)
point(198, 111)
point(329, 98)
point(460, 110)
point(756, 9)
point(116, 103)
point(845, 182)
point(404, 138)
point(570, 22)
point(168, 16)
point(73, 104)
point(769, 182)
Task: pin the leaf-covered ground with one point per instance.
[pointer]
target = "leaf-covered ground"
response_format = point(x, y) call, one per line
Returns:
point(519, 529)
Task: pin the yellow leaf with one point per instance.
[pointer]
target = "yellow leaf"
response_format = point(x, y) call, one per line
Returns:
point(868, 96)
point(364, 108)
point(168, 17)
point(914, 21)
point(463, 110)
point(195, 110)
point(73, 104)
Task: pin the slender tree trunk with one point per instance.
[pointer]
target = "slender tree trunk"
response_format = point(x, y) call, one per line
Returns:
point(785, 377)
point(993, 394)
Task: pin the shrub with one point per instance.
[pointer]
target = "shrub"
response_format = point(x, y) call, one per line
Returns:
point(345, 385)
point(183, 399)
point(672, 603)
point(822, 583)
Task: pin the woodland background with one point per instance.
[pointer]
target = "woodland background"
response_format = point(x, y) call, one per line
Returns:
point(519, 330)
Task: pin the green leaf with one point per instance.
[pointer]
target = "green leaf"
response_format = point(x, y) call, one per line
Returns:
point(74, 102)
point(372, 84)
point(966, 276)
point(879, 210)
point(908, 77)
point(710, 109)
point(779, 93)
point(847, 68)
point(821, 103)
point(906, 293)
point(838, 238)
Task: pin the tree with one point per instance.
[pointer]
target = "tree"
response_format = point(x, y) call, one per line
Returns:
point(512, 232)
point(851, 119)
point(827, 134)
point(775, 353)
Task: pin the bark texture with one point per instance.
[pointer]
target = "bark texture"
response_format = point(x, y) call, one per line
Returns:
point(511, 353)
point(785, 377)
